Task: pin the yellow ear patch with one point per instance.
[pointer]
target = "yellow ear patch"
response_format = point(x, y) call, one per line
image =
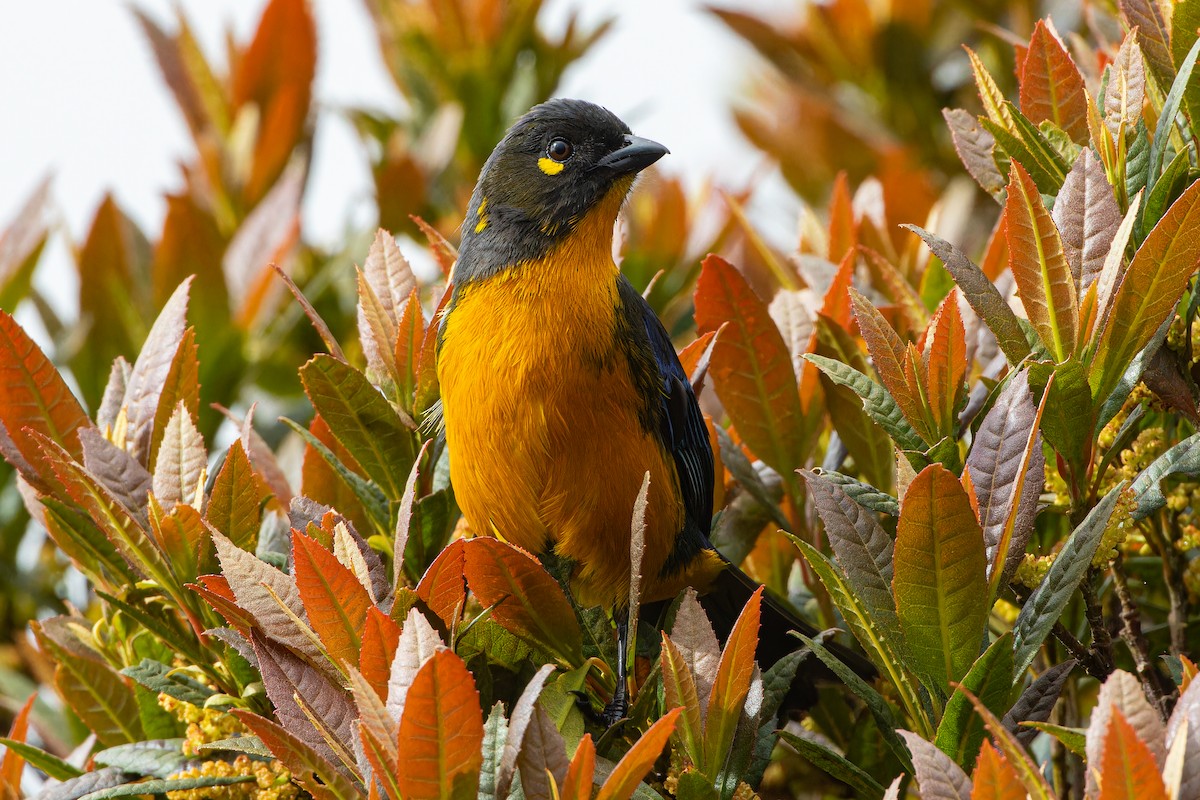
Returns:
point(550, 166)
point(482, 214)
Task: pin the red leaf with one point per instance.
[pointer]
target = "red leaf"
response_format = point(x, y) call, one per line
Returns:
point(751, 367)
point(441, 732)
point(334, 599)
point(1051, 86)
point(443, 587)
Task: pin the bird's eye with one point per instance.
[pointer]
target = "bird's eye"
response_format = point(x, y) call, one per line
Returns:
point(559, 150)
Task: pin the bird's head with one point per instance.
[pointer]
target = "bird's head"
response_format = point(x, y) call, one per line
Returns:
point(564, 162)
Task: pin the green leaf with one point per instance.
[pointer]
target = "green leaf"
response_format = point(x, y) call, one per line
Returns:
point(961, 731)
point(362, 420)
point(373, 500)
point(163, 786)
point(981, 293)
point(1166, 120)
point(52, 765)
point(874, 701)
point(878, 404)
point(864, 494)
point(1067, 418)
point(940, 576)
point(157, 758)
point(835, 765)
point(1075, 739)
point(1044, 607)
point(162, 679)
point(1181, 459)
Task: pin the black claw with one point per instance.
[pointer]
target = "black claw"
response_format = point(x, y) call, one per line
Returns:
point(616, 710)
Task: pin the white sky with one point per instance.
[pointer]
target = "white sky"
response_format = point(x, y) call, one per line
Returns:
point(81, 96)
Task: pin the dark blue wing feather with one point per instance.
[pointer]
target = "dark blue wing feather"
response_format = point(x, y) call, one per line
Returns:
point(673, 415)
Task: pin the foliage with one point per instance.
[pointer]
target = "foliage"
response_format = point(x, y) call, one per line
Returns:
point(984, 470)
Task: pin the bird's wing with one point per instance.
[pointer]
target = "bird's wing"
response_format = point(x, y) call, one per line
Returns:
point(672, 414)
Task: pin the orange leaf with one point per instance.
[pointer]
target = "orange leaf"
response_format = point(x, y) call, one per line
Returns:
point(1051, 86)
point(441, 732)
point(334, 599)
point(525, 600)
point(238, 496)
point(319, 482)
point(276, 73)
point(732, 683)
point(691, 355)
point(443, 587)
point(13, 764)
point(34, 395)
point(994, 777)
point(751, 367)
point(1035, 254)
point(946, 364)
point(381, 635)
point(426, 369)
point(410, 336)
point(887, 354)
point(1128, 770)
point(216, 591)
point(843, 231)
point(630, 770)
point(578, 783)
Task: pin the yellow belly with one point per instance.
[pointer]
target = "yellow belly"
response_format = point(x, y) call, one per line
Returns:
point(541, 418)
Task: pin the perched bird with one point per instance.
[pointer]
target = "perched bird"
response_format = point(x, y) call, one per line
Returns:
point(560, 388)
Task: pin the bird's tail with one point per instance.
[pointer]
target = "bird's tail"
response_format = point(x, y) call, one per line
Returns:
point(724, 601)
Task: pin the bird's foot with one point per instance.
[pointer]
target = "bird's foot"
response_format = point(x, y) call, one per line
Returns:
point(617, 708)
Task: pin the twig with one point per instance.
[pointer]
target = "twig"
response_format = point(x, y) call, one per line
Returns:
point(1131, 632)
point(1101, 638)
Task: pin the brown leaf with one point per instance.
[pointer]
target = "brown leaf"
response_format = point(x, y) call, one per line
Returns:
point(937, 775)
point(238, 497)
point(182, 461)
point(693, 635)
point(389, 275)
point(679, 690)
point(417, 644)
point(125, 478)
point(181, 385)
point(974, 147)
point(1126, 90)
point(1087, 217)
point(543, 754)
point(150, 372)
point(441, 732)
point(523, 712)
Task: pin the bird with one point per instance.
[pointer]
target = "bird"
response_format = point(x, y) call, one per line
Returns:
point(561, 389)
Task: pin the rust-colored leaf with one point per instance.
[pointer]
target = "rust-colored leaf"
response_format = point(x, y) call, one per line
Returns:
point(946, 364)
point(13, 764)
point(381, 635)
point(410, 338)
point(309, 768)
point(1051, 86)
point(33, 395)
point(334, 599)
point(843, 231)
point(441, 732)
point(443, 252)
point(1035, 255)
point(542, 758)
point(887, 355)
point(751, 368)
point(732, 684)
point(994, 778)
point(238, 496)
point(1128, 770)
point(524, 598)
point(180, 388)
point(630, 770)
point(443, 587)
point(693, 353)
point(377, 730)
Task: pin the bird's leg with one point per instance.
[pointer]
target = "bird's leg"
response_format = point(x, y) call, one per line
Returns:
point(618, 707)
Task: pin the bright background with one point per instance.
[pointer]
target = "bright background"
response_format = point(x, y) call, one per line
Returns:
point(84, 100)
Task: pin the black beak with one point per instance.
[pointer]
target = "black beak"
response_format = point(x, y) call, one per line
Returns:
point(634, 156)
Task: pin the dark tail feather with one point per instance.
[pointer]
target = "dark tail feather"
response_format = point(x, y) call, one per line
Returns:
point(724, 601)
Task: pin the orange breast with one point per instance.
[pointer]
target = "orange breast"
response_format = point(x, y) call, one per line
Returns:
point(541, 420)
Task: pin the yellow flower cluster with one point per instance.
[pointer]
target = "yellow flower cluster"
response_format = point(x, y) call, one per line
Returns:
point(1032, 570)
point(272, 781)
point(204, 725)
